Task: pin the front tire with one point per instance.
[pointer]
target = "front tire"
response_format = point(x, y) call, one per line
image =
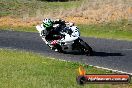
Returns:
point(59, 48)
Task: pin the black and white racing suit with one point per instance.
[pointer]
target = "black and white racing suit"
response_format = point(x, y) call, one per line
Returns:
point(53, 33)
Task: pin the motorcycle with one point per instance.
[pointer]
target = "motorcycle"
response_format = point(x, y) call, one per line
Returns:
point(70, 40)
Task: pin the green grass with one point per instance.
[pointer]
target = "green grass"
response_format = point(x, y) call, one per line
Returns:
point(20, 69)
point(31, 7)
point(116, 30)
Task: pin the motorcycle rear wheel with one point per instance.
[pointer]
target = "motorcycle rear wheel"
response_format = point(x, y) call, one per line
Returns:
point(86, 48)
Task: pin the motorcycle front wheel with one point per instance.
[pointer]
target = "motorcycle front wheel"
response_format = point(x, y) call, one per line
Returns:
point(59, 48)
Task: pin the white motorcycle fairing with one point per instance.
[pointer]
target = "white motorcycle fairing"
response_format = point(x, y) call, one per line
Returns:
point(67, 39)
point(70, 40)
point(40, 29)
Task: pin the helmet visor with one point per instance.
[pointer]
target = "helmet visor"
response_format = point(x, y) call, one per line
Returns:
point(47, 25)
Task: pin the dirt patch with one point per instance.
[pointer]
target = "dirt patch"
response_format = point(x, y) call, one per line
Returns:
point(106, 13)
point(16, 22)
point(87, 12)
point(78, 16)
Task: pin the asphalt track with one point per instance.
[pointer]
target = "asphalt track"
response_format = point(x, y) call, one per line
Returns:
point(113, 54)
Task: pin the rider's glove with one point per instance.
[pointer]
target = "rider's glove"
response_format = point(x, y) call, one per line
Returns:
point(43, 33)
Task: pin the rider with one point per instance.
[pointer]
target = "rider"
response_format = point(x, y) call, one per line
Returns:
point(52, 33)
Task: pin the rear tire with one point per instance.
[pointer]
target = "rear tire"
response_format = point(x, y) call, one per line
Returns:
point(86, 48)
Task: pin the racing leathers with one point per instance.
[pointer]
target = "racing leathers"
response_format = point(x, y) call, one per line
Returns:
point(53, 33)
